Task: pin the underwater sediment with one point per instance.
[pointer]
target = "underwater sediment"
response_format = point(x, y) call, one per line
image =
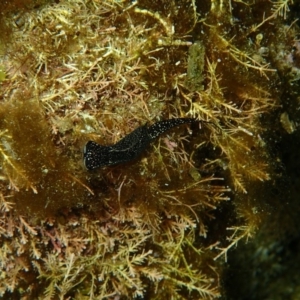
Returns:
point(160, 226)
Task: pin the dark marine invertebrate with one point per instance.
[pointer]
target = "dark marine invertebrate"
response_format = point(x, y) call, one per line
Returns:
point(128, 148)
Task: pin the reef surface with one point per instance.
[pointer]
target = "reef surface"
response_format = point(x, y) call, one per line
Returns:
point(161, 226)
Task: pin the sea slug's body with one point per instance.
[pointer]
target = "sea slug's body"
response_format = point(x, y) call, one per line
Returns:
point(128, 148)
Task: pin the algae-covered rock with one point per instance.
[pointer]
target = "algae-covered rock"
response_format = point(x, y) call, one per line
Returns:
point(162, 225)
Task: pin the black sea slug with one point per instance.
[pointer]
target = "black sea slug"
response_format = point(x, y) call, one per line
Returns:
point(130, 147)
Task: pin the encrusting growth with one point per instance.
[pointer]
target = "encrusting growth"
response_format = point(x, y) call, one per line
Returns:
point(74, 71)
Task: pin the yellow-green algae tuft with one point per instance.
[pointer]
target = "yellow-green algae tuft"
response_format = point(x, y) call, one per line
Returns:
point(40, 173)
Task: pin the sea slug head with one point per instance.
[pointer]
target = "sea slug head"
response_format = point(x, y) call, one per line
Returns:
point(95, 155)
